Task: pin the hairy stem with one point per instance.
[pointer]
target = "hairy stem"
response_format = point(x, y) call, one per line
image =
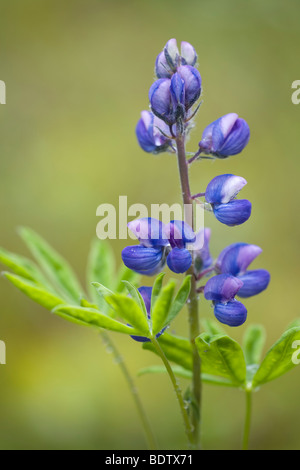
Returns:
point(247, 420)
point(177, 389)
point(151, 441)
point(193, 298)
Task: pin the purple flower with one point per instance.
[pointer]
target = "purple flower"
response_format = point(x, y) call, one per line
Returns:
point(220, 193)
point(170, 58)
point(143, 260)
point(158, 243)
point(150, 232)
point(226, 136)
point(179, 234)
point(224, 188)
point(149, 257)
point(235, 260)
point(179, 260)
point(148, 133)
point(222, 289)
point(234, 213)
point(146, 293)
point(232, 313)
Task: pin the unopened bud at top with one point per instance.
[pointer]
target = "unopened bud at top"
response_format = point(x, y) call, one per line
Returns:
point(170, 58)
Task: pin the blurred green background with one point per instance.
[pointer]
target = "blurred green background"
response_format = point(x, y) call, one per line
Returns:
point(77, 75)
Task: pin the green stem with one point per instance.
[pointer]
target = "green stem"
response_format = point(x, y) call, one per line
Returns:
point(177, 389)
point(247, 420)
point(193, 308)
point(134, 392)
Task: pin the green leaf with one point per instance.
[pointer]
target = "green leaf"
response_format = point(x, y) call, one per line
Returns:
point(212, 327)
point(186, 374)
point(293, 324)
point(34, 291)
point(178, 371)
point(253, 344)
point(157, 287)
point(130, 311)
point(162, 307)
point(176, 349)
point(56, 268)
point(23, 267)
point(222, 356)
point(93, 318)
point(180, 300)
point(125, 274)
point(100, 269)
point(279, 359)
point(103, 292)
point(135, 294)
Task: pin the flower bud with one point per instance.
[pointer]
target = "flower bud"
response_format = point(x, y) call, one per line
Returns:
point(162, 68)
point(226, 136)
point(178, 96)
point(192, 84)
point(160, 100)
point(232, 313)
point(179, 260)
point(148, 134)
point(172, 54)
point(188, 54)
point(222, 288)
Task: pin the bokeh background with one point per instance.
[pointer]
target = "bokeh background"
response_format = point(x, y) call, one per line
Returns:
point(77, 75)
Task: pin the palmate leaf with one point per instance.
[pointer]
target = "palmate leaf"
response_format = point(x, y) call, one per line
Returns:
point(35, 291)
point(156, 290)
point(125, 274)
point(93, 318)
point(54, 265)
point(212, 327)
point(135, 294)
point(180, 300)
point(279, 359)
point(162, 307)
point(222, 356)
point(100, 269)
point(23, 267)
point(128, 309)
point(186, 374)
point(176, 349)
point(253, 343)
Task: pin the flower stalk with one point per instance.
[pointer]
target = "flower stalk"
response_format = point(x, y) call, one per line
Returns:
point(193, 309)
point(150, 438)
point(187, 424)
point(247, 420)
